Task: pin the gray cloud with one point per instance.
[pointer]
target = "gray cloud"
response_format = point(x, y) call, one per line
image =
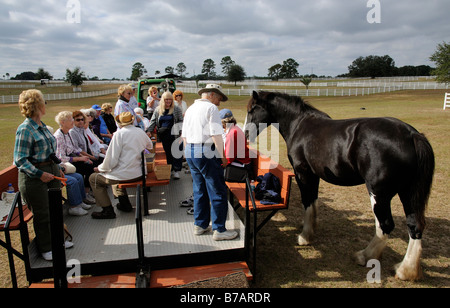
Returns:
point(324, 36)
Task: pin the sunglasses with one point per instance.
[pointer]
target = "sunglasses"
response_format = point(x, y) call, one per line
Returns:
point(79, 120)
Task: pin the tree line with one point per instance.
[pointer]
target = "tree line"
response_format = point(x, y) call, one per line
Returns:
point(370, 66)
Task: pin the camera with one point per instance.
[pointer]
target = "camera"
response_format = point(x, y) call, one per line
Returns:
point(55, 159)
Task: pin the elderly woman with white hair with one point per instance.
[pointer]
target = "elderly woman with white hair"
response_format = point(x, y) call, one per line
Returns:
point(78, 201)
point(98, 147)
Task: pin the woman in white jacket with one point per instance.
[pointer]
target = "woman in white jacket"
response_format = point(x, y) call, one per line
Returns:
point(122, 164)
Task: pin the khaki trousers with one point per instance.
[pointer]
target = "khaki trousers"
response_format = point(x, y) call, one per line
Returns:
point(99, 184)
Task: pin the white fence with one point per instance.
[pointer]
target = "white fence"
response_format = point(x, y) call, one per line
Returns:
point(11, 99)
point(447, 101)
point(304, 92)
point(340, 88)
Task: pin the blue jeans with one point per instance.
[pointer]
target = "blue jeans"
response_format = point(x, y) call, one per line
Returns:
point(210, 191)
point(75, 189)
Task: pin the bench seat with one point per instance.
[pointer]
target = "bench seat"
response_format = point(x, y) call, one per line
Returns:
point(241, 193)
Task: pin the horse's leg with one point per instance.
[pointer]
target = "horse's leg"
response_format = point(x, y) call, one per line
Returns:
point(384, 224)
point(309, 188)
point(409, 268)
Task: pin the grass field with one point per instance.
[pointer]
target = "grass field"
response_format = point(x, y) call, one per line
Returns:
point(346, 223)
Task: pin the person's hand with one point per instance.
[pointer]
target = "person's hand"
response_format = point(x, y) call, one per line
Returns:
point(82, 158)
point(47, 177)
point(224, 162)
point(96, 170)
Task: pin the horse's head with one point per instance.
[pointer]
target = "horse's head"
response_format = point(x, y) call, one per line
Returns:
point(256, 115)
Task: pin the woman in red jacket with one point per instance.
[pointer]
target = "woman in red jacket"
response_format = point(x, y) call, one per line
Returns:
point(236, 147)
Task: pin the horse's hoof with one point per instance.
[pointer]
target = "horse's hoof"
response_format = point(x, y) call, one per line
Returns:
point(408, 274)
point(303, 241)
point(359, 257)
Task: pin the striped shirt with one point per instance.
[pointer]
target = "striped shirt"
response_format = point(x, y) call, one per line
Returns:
point(34, 144)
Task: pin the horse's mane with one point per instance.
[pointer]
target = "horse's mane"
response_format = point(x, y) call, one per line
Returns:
point(292, 103)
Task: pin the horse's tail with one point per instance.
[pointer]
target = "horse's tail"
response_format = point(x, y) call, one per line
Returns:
point(420, 190)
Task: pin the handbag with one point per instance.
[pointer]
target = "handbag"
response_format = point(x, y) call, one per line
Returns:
point(236, 174)
point(68, 168)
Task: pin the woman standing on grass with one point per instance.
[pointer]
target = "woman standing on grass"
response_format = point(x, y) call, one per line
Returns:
point(34, 156)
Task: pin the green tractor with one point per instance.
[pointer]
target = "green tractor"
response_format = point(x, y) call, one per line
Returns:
point(144, 85)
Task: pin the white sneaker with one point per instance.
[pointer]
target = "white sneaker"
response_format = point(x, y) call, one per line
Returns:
point(199, 230)
point(90, 197)
point(48, 256)
point(176, 175)
point(68, 244)
point(224, 236)
point(85, 206)
point(77, 211)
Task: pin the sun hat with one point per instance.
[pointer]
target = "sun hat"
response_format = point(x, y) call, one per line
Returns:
point(125, 119)
point(96, 107)
point(225, 113)
point(214, 88)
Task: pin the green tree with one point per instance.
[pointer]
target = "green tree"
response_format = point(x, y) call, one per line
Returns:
point(289, 69)
point(169, 70)
point(275, 72)
point(181, 68)
point(75, 77)
point(236, 73)
point(306, 81)
point(25, 76)
point(43, 74)
point(373, 66)
point(442, 59)
point(226, 64)
point(137, 71)
point(208, 68)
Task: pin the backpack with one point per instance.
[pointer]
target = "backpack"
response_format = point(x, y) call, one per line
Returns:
point(268, 189)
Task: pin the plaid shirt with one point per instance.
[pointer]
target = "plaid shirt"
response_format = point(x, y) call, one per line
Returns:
point(34, 144)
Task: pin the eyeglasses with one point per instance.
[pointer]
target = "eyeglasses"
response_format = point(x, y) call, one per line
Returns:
point(79, 120)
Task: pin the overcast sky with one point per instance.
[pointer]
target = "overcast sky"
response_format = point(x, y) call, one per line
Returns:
point(323, 36)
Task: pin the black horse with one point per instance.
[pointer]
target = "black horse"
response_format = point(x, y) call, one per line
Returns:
point(386, 154)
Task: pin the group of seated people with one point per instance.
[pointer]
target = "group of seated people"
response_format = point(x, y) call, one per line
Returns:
point(80, 149)
point(95, 149)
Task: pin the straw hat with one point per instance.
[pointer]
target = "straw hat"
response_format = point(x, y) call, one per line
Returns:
point(213, 88)
point(125, 119)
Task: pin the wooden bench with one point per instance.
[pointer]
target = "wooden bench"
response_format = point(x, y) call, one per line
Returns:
point(149, 179)
point(16, 220)
point(241, 193)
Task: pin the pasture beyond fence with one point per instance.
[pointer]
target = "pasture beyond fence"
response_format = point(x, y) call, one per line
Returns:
point(360, 91)
point(352, 87)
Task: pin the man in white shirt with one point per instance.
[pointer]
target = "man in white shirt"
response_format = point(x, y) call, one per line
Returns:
point(122, 164)
point(204, 150)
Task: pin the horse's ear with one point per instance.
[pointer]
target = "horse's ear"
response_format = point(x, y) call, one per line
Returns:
point(255, 95)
